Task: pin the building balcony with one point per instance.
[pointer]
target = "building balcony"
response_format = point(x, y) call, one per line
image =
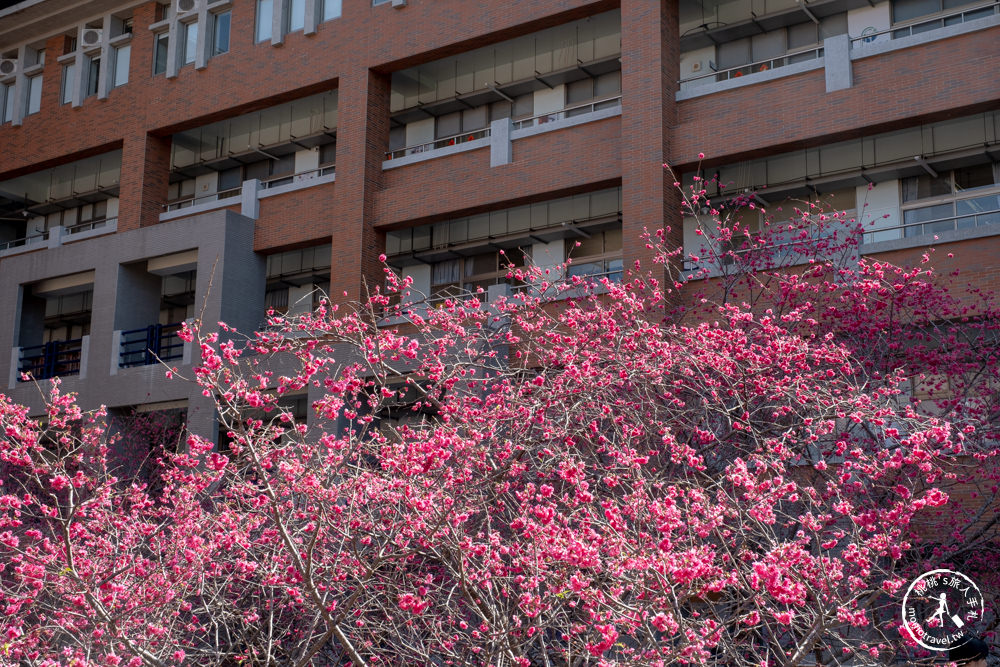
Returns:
point(153, 344)
point(53, 359)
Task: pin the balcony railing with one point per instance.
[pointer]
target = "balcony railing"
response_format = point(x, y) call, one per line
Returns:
point(941, 225)
point(759, 66)
point(277, 181)
point(209, 197)
point(443, 142)
point(568, 112)
point(27, 240)
point(150, 345)
point(56, 358)
point(927, 24)
point(91, 225)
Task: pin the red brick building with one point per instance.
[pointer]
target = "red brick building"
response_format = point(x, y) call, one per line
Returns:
point(156, 152)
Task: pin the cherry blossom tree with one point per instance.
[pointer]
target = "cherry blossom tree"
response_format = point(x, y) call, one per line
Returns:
point(659, 471)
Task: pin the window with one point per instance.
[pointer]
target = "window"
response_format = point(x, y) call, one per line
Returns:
point(7, 102)
point(34, 95)
point(767, 50)
point(93, 76)
point(296, 17)
point(66, 94)
point(123, 56)
point(327, 156)
point(600, 254)
point(331, 9)
point(160, 48)
point(599, 90)
point(265, 18)
point(456, 277)
point(189, 46)
point(220, 33)
point(961, 199)
point(948, 11)
point(465, 123)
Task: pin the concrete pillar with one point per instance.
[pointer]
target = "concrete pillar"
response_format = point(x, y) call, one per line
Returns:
point(231, 279)
point(837, 58)
point(501, 150)
point(103, 314)
point(201, 418)
point(249, 203)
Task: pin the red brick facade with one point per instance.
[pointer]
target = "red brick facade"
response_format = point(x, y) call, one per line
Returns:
point(357, 52)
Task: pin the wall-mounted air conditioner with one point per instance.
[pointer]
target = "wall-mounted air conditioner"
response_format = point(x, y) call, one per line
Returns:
point(91, 37)
point(186, 6)
point(8, 66)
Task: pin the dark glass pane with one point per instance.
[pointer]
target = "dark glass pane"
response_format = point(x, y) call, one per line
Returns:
point(220, 43)
point(979, 176)
point(904, 10)
point(160, 54)
point(978, 204)
point(927, 213)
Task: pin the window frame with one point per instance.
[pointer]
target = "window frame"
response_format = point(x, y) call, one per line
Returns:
point(33, 100)
point(186, 47)
point(116, 54)
point(7, 96)
point(161, 39)
point(952, 199)
point(261, 25)
point(216, 20)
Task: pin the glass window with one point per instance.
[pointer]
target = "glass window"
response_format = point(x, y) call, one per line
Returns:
point(972, 178)
point(928, 213)
point(802, 35)
point(66, 94)
point(230, 179)
point(331, 9)
point(34, 95)
point(220, 33)
point(448, 125)
point(921, 187)
point(7, 101)
point(579, 91)
point(608, 84)
point(904, 10)
point(296, 14)
point(265, 17)
point(833, 25)
point(93, 76)
point(328, 152)
point(123, 56)
point(160, 53)
point(190, 45)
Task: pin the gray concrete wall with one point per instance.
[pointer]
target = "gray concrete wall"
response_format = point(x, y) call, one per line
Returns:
point(230, 286)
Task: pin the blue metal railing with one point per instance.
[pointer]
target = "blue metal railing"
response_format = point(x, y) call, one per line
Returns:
point(149, 345)
point(55, 358)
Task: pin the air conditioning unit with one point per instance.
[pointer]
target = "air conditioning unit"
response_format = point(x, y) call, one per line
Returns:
point(8, 66)
point(186, 6)
point(91, 37)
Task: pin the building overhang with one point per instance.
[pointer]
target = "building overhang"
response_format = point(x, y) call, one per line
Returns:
point(31, 20)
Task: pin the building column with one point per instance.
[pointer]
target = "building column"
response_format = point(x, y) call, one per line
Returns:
point(362, 140)
point(650, 59)
point(144, 180)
